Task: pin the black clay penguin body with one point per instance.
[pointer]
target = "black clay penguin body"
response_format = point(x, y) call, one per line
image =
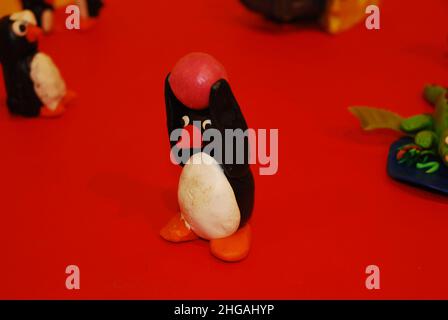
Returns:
point(43, 11)
point(216, 198)
point(33, 83)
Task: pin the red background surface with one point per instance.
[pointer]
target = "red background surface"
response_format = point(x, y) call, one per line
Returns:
point(94, 187)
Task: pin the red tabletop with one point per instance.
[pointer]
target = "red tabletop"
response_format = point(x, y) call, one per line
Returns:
point(94, 187)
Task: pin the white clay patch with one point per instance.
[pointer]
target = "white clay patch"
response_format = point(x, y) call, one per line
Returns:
point(25, 15)
point(206, 199)
point(48, 83)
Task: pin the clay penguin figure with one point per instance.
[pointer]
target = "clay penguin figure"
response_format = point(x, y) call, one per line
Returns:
point(43, 12)
point(33, 83)
point(216, 199)
point(90, 11)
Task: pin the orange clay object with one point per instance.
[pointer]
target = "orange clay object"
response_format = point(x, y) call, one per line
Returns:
point(233, 248)
point(177, 231)
point(344, 14)
point(9, 6)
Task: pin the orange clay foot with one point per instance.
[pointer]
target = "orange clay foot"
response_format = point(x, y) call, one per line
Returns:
point(177, 231)
point(234, 248)
point(46, 112)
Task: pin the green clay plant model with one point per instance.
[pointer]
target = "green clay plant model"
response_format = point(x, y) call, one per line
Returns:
point(429, 149)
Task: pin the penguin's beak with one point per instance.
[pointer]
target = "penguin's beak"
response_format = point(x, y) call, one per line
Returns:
point(34, 32)
point(191, 138)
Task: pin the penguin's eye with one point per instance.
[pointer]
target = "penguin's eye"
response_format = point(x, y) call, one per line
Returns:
point(186, 120)
point(19, 28)
point(206, 124)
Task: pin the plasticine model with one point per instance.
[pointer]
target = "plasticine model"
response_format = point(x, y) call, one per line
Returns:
point(421, 157)
point(334, 15)
point(43, 12)
point(9, 7)
point(216, 200)
point(33, 83)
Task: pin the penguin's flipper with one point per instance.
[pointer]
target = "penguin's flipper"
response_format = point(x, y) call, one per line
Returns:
point(234, 248)
point(225, 114)
point(174, 110)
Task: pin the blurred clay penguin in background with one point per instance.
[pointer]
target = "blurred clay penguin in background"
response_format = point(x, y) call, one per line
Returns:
point(215, 199)
point(90, 11)
point(334, 15)
point(43, 12)
point(33, 83)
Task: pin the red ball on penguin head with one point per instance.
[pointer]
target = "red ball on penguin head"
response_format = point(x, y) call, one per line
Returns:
point(192, 78)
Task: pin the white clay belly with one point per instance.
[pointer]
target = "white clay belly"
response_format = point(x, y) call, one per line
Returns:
point(48, 83)
point(206, 199)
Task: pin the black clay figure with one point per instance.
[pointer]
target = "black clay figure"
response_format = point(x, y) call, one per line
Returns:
point(33, 83)
point(216, 197)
